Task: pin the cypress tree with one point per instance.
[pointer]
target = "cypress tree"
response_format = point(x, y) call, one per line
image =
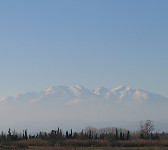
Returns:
point(71, 134)
point(116, 134)
point(26, 137)
point(120, 135)
point(128, 135)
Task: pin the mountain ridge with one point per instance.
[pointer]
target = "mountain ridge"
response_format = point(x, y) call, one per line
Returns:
point(79, 103)
point(118, 94)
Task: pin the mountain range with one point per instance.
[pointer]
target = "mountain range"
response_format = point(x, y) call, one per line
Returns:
point(79, 104)
point(77, 94)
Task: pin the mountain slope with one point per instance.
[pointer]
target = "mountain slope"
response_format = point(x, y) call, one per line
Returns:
point(121, 94)
point(79, 103)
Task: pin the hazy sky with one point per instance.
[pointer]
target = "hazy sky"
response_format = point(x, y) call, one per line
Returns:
point(94, 43)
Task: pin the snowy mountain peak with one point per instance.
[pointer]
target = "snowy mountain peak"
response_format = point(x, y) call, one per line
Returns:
point(127, 93)
point(79, 87)
point(48, 91)
point(80, 103)
point(122, 88)
point(79, 93)
point(100, 91)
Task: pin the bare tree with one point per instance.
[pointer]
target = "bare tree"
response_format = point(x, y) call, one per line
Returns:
point(146, 129)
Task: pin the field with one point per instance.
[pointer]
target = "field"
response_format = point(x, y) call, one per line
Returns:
point(102, 148)
point(73, 144)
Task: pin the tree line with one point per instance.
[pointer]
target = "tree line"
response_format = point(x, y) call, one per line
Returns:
point(89, 133)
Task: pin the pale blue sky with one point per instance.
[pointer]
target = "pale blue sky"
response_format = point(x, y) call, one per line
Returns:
point(93, 43)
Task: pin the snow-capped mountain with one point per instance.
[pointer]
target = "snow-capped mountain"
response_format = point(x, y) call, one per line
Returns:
point(80, 103)
point(122, 94)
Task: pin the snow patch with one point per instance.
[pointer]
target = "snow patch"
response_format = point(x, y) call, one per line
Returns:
point(3, 99)
point(139, 95)
point(49, 91)
point(79, 87)
point(96, 91)
point(75, 91)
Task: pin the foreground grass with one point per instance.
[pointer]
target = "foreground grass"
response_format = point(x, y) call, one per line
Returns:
point(98, 148)
point(82, 148)
point(74, 144)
